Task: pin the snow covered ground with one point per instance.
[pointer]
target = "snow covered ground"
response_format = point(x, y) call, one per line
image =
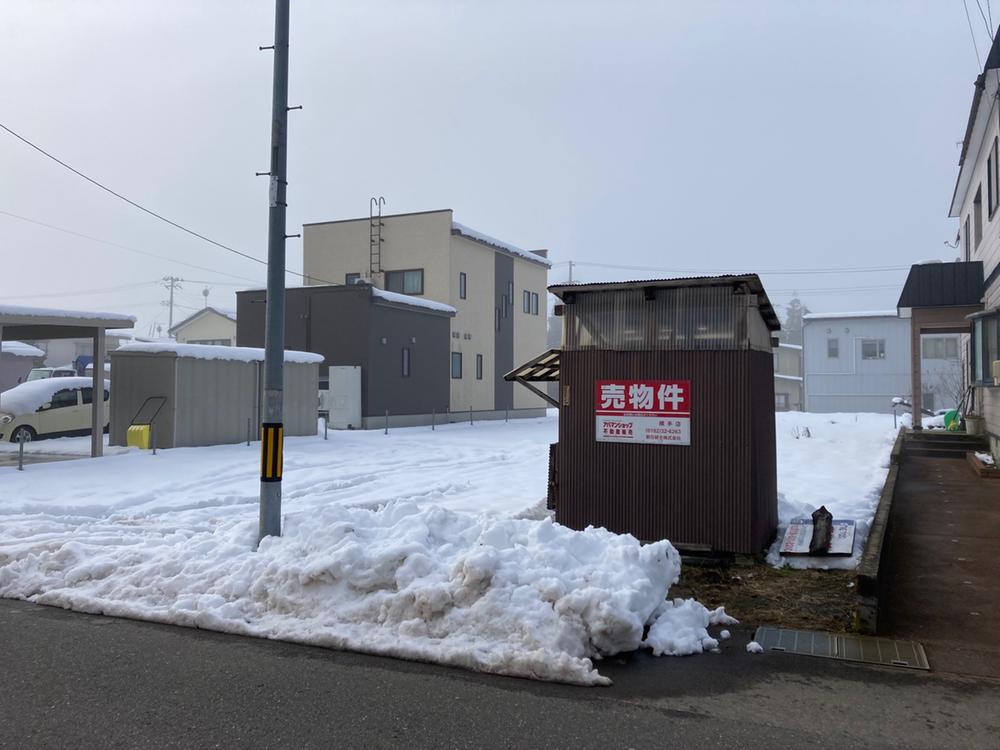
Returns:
point(429, 545)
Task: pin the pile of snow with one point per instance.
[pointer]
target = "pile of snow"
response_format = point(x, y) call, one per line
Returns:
point(986, 458)
point(19, 311)
point(406, 299)
point(20, 349)
point(27, 397)
point(516, 597)
point(213, 351)
point(754, 648)
point(842, 464)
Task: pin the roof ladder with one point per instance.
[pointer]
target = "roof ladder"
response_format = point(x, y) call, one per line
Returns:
point(375, 234)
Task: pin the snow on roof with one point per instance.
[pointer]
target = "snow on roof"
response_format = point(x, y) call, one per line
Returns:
point(208, 351)
point(506, 246)
point(27, 397)
point(863, 314)
point(788, 377)
point(14, 311)
point(791, 346)
point(20, 349)
point(406, 299)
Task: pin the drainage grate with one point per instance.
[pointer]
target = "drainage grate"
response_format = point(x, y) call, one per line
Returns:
point(868, 650)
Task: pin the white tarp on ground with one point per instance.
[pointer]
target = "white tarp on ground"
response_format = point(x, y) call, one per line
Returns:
point(423, 544)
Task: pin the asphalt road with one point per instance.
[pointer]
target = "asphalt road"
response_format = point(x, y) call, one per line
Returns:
point(85, 681)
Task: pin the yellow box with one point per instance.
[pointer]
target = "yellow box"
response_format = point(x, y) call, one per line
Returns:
point(138, 436)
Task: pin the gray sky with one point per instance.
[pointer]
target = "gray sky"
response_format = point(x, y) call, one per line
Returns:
point(696, 136)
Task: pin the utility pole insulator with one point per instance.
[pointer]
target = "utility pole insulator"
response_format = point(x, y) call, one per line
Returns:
point(296, 107)
point(289, 236)
point(270, 46)
point(262, 174)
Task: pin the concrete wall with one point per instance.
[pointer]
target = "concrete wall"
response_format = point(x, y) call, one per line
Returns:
point(849, 383)
point(210, 326)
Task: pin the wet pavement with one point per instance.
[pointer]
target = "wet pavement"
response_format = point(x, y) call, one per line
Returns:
point(944, 564)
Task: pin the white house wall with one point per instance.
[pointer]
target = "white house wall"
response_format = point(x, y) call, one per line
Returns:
point(208, 327)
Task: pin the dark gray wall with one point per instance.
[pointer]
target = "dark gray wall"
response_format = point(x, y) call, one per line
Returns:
point(345, 326)
point(429, 384)
point(503, 348)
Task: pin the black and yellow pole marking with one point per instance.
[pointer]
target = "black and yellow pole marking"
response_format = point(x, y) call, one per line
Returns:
point(272, 436)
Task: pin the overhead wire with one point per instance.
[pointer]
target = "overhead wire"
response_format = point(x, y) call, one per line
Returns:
point(772, 272)
point(975, 46)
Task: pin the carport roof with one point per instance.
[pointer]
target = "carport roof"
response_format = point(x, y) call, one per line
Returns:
point(18, 322)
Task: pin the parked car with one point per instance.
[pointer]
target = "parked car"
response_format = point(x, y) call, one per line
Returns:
point(50, 407)
point(42, 373)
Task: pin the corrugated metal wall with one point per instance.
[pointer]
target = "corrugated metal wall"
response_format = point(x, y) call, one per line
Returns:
point(136, 377)
point(720, 491)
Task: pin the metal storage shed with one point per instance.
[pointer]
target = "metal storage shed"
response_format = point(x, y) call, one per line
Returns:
point(205, 395)
point(666, 411)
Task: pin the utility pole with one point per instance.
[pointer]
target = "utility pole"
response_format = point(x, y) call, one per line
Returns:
point(571, 272)
point(271, 426)
point(171, 283)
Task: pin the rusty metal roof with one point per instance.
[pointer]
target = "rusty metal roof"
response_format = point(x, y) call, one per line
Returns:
point(749, 282)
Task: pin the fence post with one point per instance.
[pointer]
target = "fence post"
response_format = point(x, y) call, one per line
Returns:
point(20, 451)
point(386, 421)
point(433, 417)
point(470, 415)
point(506, 414)
point(248, 432)
point(152, 435)
point(326, 426)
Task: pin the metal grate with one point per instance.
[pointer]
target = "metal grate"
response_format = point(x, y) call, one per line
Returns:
point(858, 648)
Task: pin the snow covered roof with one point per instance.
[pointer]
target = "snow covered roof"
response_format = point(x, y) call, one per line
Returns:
point(207, 351)
point(27, 397)
point(406, 299)
point(19, 349)
point(472, 234)
point(223, 312)
point(862, 314)
point(18, 315)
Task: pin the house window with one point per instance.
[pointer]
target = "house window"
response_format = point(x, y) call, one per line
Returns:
point(940, 348)
point(526, 301)
point(210, 342)
point(992, 181)
point(977, 216)
point(927, 400)
point(405, 282)
point(872, 348)
point(406, 362)
point(461, 285)
point(352, 278)
point(833, 348)
point(534, 303)
point(479, 367)
point(510, 293)
point(985, 347)
point(781, 401)
point(966, 244)
point(456, 365)
point(497, 311)
point(503, 306)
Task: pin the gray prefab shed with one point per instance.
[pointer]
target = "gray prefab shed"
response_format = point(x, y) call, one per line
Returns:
point(206, 395)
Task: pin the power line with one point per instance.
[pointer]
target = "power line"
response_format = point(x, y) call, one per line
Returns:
point(989, 31)
point(989, 10)
point(772, 272)
point(125, 247)
point(84, 292)
point(968, 18)
point(131, 202)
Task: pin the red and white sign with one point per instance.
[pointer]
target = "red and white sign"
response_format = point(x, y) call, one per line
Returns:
point(643, 411)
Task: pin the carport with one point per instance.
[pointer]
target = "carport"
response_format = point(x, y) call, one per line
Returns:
point(20, 323)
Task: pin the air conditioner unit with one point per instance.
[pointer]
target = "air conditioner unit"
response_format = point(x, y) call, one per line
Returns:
point(996, 372)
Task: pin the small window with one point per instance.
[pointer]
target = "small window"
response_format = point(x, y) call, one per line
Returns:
point(405, 282)
point(456, 365)
point(977, 216)
point(940, 348)
point(503, 306)
point(781, 401)
point(461, 285)
point(985, 347)
point(872, 348)
point(352, 278)
point(534, 303)
point(510, 293)
point(833, 348)
point(526, 301)
point(927, 400)
point(966, 242)
point(993, 188)
point(479, 367)
point(406, 362)
point(497, 311)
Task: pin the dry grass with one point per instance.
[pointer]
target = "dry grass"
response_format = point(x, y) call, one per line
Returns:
point(761, 595)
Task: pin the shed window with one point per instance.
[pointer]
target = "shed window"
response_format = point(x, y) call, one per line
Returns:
point(872, 348)
point(352, 278)
point(833, 348)
point(461, 285)
point(940, 348)
point(479, 367)
point(456, 365)
point(405, 282)
point(406, 362)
